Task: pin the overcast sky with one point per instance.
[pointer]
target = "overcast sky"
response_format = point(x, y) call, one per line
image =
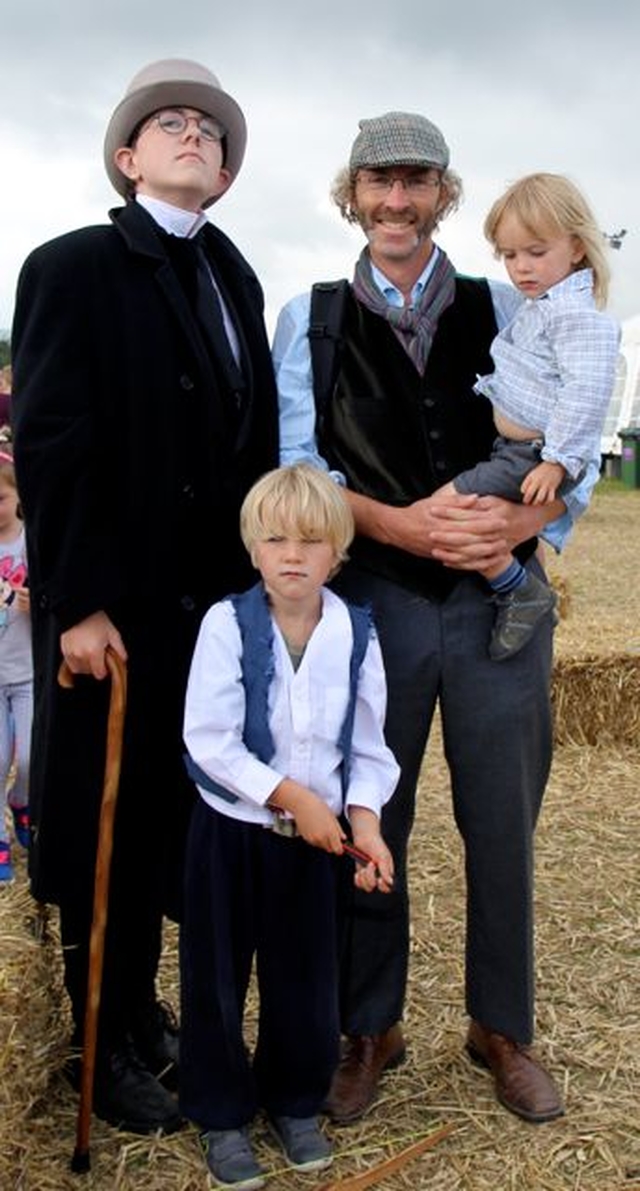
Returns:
point(514, 87)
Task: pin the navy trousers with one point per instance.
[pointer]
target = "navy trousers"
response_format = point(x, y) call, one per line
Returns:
point(496, 720)
point(250, 892)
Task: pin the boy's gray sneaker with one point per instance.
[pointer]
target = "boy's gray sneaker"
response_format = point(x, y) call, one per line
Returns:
point(231, 1160)
point(518, 615)
point(304, 1144)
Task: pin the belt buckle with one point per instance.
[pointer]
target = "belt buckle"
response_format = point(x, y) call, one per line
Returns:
point(284, 826)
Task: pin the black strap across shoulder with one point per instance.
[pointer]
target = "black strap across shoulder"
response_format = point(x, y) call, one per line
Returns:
point(328, 301)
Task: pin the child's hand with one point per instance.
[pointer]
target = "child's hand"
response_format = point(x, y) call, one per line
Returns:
point(379, 874)
point(315, 822)
point(23, 599)
point(540, 485)
point(365, 826)
point(318, 825)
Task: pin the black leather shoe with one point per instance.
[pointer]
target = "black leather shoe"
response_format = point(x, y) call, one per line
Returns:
point(156, 1037)
point(128, 1096)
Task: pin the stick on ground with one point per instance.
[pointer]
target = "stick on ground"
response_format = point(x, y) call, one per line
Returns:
point(368, 1178)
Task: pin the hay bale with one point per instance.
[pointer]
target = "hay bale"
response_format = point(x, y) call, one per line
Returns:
point(596, 699)
point(30, 1013)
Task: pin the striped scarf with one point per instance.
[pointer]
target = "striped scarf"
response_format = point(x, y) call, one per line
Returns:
point(416, 325)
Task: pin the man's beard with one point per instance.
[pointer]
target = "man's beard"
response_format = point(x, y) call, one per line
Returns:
point(422, 231)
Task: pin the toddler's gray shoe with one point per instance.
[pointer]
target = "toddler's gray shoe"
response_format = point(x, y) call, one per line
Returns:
point(304, 1144)
point(231, 1160)
point(518, 614)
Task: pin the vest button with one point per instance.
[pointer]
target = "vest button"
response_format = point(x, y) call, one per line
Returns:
point(186, 383)
point(429, 403)
point(440, 465)
point(435, 435)
point(187, 603)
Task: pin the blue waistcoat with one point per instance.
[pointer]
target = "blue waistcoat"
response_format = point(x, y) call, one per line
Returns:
point(257, 664)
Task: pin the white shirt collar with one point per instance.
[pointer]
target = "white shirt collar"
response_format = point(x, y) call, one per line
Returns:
point(172, 219)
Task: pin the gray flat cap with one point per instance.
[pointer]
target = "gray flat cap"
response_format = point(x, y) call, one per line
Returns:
point(398, 138)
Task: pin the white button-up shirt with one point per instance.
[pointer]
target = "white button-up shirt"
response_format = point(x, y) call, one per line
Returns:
point(306, 711)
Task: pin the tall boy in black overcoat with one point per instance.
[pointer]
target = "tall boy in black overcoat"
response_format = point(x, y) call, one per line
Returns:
point(135, 444)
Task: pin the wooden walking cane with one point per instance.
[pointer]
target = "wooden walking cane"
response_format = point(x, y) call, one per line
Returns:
point(81, 1161)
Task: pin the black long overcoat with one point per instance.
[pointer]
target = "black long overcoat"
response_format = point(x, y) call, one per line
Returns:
point(131, 482)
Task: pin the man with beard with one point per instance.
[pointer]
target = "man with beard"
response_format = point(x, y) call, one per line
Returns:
point(400, 421)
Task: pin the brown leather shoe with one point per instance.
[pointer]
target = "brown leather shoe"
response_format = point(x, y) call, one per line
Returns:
point(522, 1084)
point(356, 1080)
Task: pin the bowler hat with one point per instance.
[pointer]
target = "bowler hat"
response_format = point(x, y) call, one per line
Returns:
point(173, 82)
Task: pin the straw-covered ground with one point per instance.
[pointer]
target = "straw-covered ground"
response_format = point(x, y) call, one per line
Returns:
point(588, 915)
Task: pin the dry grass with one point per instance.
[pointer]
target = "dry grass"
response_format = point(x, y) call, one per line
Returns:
point(588, 911)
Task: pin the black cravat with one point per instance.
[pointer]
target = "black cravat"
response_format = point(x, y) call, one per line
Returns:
point(190, 263)
point(210, 317)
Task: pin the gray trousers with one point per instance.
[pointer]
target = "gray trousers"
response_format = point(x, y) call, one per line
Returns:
point(496, 721)
point(503, 473)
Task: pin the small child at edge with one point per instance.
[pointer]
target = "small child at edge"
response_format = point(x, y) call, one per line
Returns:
point(16, 668)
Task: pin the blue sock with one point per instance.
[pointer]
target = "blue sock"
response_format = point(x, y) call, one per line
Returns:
point(508, 580)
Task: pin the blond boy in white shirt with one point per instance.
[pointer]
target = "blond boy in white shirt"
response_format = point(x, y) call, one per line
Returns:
point(284, 732)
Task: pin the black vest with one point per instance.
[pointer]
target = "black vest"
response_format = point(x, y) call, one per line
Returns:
point(396, 435)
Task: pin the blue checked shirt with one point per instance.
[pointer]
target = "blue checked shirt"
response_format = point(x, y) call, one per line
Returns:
point(555, 367)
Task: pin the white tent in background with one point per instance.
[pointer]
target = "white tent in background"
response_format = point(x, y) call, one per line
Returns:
point(624, 409)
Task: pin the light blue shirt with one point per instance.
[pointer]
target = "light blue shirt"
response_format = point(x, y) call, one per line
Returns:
point(292, 362)
point(555, 368)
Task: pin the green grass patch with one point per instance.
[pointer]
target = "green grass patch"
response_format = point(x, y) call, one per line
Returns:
point(610, 485)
